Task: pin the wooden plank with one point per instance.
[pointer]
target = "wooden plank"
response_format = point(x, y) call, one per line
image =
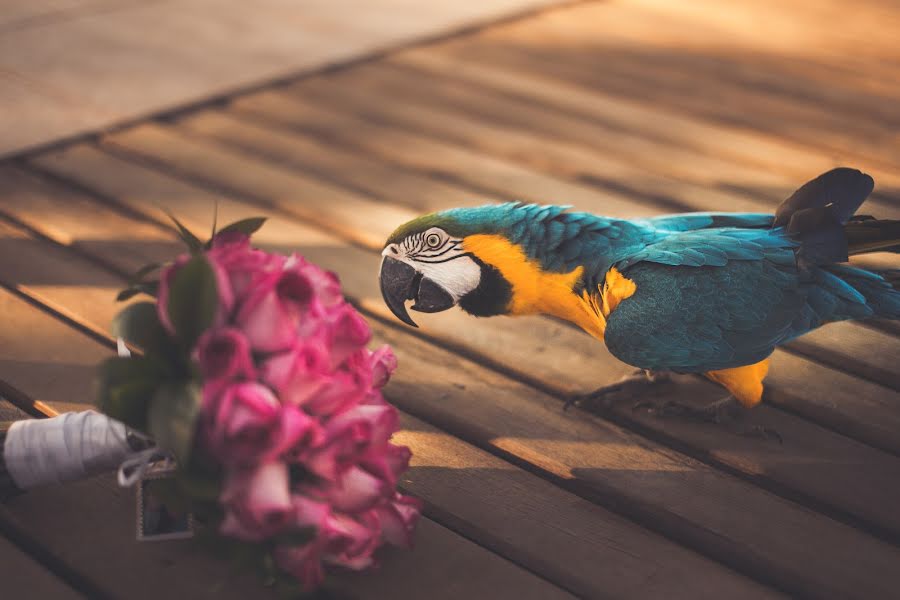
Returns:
point(271, 185)
point(102, 510)
point(499, 178)
point(608, 66)
point(356, 171)
point(564, 160)
point(608, 145)
point(516, 514)
point(10, 413)
point(459, 111)
point(23, 577)
point(600, 460)
point(514, 76)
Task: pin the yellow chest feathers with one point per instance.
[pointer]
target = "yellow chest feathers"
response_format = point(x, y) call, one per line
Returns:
point(535, 291)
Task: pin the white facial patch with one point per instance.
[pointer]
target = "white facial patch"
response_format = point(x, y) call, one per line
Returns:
point(440, 258)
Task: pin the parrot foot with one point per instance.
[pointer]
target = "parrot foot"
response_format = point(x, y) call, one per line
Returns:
point(633, 384)
point(726, 412)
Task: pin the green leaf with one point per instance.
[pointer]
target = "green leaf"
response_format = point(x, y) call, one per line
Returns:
point(172, 418)
point(151, 288)
point(127, 294)
point(247, 226)
point(126, 386)
point(193, 300)
point(139, 324)
point(215, 224)
point(192, 241)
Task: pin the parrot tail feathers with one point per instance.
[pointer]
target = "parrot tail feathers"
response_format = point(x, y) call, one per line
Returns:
point(817, 214)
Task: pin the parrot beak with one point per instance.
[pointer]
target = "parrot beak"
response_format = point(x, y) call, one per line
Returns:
point(400, 282)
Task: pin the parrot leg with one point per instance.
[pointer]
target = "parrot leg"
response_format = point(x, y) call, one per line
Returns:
point(726, 412)
point(633, 384)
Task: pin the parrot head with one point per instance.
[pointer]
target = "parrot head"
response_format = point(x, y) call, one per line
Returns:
point(428, 261)
point(501, 259)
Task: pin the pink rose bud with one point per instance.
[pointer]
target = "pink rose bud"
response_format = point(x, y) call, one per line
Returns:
point(355, 490)
point(382, 421)
point(387, 462)
point(350, 542)
point(245, 265)
point(339, 450)
point(383, 362)
point(341, 390)
point(271, 314)
point(245, 422)
point(224, 354)
point(257, 503)
point(350, 333)
point(326, 283)
point(398, 520)
point(298, 375)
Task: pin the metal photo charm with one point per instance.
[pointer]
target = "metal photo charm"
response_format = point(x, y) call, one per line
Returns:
point(157, 518)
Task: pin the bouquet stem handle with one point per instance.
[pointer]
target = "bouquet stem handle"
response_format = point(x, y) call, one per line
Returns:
point(68, 447)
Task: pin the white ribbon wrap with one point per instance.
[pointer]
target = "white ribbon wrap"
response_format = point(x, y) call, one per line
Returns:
point(74, 446)
point(69, 447)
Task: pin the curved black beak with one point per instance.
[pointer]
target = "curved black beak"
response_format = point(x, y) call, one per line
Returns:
point(400, 282)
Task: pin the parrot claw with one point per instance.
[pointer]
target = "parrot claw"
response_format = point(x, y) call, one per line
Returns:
point(631, 385)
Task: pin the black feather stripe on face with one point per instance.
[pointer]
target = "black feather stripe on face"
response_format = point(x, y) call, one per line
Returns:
point(492, 296)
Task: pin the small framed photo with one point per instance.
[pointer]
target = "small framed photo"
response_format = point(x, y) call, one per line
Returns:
point(157, 519)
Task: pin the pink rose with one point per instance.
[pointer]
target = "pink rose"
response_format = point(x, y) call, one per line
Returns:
point(224, 355)
point(223, 288)
point(245, 265)
point(270, 315)
point(300, 373)
point(257, 503)
point(355, 490)
point(383, 363)
point(349, 333)
point(245, 423)
point(351, 541)
point(386, 462)
point(339, 450)
point(340, 540)
point(342, 389)
point(326, 284)
point(398, 519)
point(381, 420)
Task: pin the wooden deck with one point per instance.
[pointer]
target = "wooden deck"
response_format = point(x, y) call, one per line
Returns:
point(624, 108)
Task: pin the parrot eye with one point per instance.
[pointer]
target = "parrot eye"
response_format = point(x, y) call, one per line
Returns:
point(433, 240)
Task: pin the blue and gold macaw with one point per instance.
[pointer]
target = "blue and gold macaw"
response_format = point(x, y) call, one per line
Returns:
point(705, 293)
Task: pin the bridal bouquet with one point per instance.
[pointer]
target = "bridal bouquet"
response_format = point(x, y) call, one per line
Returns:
point(256, 377)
